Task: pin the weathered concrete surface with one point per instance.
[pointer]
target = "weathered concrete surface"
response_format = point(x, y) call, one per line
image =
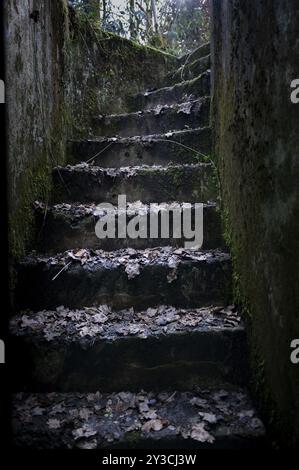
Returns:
point(178, 93)
point(189, 71)
point(125, 278)
point(100, 349)
point(205, 420)
point(103, 73)
point(68, 226)
point(187, 146)
point(88, 183)
point(59, 74)
point(160, 120)
point(255, 58)
point(35, 63)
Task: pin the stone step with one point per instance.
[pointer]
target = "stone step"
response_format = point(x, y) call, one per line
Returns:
point(100, 349)
point(189, 70)
point(188, 146)
point(64, 226)
point(162, 119)
point(198, 53)
point(179, 93)
point(169, 420)
point(124, 279)
point(88, 183)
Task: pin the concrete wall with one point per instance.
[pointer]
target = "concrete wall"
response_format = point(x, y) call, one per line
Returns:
point(59, 73)
point(255, 49)
point(35, 38)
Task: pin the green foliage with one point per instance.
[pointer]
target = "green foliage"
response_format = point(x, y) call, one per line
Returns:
point(176, 26)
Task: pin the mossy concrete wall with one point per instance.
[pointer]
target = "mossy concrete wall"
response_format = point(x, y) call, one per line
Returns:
point(256, 143)
point(104, 69)
point(35, 36)
point(60, 72)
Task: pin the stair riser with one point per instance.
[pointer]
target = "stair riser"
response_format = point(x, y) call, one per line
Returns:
point(149, 123)
point(118, 154)
point(169, 96)
point(58, 233)
point(197, 283)
point(189, 71)
point(177, 361)
point(187, 184)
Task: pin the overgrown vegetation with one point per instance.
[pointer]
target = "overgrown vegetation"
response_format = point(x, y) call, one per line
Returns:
point(176, 26)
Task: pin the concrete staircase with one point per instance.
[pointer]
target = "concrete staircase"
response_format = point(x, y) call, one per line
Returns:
point(133, 343)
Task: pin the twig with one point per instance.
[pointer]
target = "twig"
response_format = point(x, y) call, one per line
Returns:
point(62, 270)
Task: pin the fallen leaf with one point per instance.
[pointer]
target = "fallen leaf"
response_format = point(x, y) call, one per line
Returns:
point(200, 434)
point(153, 425)
point(133, 270)
point(54, 424)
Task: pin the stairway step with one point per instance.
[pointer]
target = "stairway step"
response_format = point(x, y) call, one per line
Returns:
point(189, 70)
point(182, 420)
point(162, 119)
point(198, 53)
point(179, 93)
point(64, 226)
point(178, 147)
point(100, 349)
point(124, 278)
point(88, 183)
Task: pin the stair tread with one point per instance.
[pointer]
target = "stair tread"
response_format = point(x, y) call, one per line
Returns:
point(177, 86)
point(189, 70)
point(88, 325)
point(67, 226)
point(180, 92)
point(90, 183)
point(161, 118)
point(77, 211)
point(163, 109)
point(130, 171)
point(125, 278)
point(205, 419)
point(160, 255)
point(144, 138)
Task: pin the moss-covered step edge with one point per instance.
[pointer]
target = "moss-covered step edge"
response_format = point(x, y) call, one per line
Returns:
point(100, 349)
point(64, 226)
point(85, 183)
point(162, 119)
point(124, 278)
point(187, 146)
point(198, 53)
point(179, 93)
point(203, 420)
point(188, 71)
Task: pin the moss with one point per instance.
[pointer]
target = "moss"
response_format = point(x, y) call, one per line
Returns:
point(18, 64)
point(133, 438)
point(35, 184)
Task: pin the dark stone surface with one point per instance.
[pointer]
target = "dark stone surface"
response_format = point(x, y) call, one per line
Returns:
point(162, 119)
point(179, 93)
point(186, 146)
point(202, 420)
point(255, 58)
point(189, 70)
point(98, 349)
point(167, 276)
point(198, 53)
point(193, 183)
point(64, 227)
